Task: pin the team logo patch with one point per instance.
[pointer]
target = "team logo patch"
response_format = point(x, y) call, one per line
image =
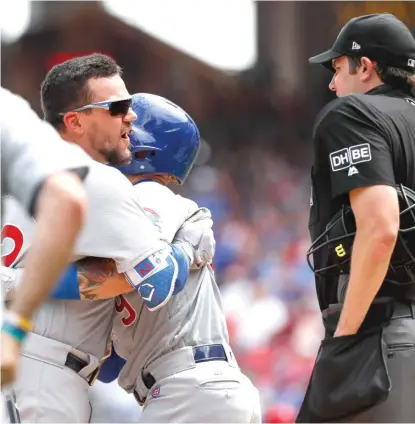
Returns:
point(344, 158)
point(155, 392)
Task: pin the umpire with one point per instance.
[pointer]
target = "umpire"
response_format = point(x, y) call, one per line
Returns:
point(362, 222)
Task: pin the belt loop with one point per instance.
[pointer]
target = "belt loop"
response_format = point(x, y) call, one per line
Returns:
point(148, 379)
point(412, 306)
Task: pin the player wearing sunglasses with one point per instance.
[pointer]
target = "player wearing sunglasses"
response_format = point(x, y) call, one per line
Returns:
point(100, 118)
point(86, 100)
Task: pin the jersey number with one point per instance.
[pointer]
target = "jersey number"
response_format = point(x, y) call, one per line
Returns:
point(122, 304)
point(14, 233)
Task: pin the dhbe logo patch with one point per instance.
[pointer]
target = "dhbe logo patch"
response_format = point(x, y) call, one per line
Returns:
point(344, 158)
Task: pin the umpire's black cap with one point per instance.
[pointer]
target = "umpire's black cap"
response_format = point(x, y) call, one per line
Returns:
point(381, 37)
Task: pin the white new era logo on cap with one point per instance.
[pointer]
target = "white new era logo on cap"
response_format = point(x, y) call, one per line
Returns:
point(411, 62)
point(355, 46)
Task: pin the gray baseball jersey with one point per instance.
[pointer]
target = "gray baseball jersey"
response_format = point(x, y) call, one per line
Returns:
point(82, 324)
point(31, 150)
point(113, 210)
point(194, 316)
point(116, 227)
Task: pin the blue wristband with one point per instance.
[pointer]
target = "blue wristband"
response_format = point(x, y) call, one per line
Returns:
point(13, 330)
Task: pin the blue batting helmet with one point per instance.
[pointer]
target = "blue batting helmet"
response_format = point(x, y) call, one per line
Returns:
point(164, 138)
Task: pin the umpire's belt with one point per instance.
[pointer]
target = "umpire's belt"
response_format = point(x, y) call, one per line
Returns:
point(382, 311)
point(59, 354)
point(180, 360)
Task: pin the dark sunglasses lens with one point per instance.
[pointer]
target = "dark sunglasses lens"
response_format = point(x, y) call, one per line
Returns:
point(120, 107)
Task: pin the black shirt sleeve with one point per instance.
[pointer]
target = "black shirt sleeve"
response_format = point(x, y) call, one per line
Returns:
point(356, 147)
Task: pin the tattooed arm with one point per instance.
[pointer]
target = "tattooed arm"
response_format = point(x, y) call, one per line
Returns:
point(86, 279)
point(98, 279)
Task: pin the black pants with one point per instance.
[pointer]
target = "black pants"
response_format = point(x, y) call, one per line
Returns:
point(339, 362)
point(399, 407)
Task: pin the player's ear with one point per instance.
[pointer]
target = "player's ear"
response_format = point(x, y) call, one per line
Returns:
point(73, 123)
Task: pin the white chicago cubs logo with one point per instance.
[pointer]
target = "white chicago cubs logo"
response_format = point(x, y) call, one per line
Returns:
point(344, 158)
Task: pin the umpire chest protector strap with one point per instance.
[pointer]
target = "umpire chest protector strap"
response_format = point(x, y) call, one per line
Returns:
point(335, 244)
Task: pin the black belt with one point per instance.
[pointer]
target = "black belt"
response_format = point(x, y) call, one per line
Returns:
point(213, 352)
point(77, 364)
point(380, 313)
point(403, 310)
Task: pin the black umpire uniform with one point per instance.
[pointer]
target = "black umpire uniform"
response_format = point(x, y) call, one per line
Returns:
point(363, 140)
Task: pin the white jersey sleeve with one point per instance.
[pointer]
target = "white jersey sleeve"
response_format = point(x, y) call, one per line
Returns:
point(116, 226)
point(31, 150)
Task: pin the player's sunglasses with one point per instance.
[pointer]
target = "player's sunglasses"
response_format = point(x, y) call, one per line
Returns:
point(115, 107)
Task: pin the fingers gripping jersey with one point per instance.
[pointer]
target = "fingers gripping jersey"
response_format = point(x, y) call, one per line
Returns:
point(193, 316)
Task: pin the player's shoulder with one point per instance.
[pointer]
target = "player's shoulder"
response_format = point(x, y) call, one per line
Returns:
point(106, 179)
point(12, 99)
point(150, 186)
point(188, 206)
point(111, 175)
point(68, 154)
point(163, 195)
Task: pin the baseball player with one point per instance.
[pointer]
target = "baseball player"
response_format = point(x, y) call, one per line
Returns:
point(177, 361)
point(187, 338)
point(61, 356)
point(57, 199)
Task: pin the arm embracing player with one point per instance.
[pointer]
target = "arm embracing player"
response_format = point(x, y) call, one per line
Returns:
point(94, 278)
point(160, 274)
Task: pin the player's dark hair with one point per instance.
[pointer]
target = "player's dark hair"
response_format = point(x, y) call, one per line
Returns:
point(65, 86)
point(390, 75)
